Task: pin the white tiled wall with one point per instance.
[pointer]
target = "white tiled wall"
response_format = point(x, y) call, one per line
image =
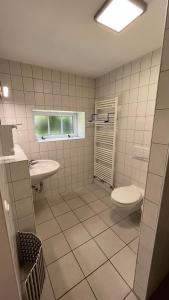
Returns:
point(153, 254)
point(34, 87)
point(9, 275)
point(136, 86)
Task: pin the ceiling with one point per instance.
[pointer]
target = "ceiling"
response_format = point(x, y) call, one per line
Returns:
point(62, 34)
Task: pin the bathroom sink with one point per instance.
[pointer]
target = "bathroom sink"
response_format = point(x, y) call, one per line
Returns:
point(42, 169)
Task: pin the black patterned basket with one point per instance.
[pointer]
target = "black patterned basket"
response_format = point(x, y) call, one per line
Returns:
point(30, 252)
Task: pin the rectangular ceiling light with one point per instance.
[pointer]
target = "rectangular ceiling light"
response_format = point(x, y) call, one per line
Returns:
point(117, 14)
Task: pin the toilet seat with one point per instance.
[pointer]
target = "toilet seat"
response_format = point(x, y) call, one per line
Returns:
point(127, 195)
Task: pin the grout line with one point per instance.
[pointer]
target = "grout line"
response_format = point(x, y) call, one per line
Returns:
point(91, 238)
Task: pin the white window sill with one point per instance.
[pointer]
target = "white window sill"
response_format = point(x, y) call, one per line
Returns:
point(61, 139)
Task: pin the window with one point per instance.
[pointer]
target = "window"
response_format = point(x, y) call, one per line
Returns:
point(53, 125)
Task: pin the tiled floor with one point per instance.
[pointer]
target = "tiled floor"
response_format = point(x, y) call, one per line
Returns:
point(89, 247)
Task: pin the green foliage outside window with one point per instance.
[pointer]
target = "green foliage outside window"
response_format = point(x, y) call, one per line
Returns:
point(46, 126)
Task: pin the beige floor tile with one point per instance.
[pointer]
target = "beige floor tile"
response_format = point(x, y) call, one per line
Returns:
point(43, 215)
point(67, 220)
point(89, 256)
point(125, 263)
point(76, 203)
point(109, 217)
point(64, 274)
point(55, 247)
point(80, 292)
point(131, 296)
point(95, 225)
point(81, 191)
point(84, 213)
point(107, 201)
point(47, 293)
point(100, 193)
point(125, 231)
point(76, 236)
point(98, 206)
point(48, 229)
point(60, 209)
point(69, 195)
point(54, 199)
point(107, 284)
point(89, 197)
point(134, 245)
point(40, 203)
point(109, 242)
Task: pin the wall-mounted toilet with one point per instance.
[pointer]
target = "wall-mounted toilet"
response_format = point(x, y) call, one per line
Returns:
point(128, 197)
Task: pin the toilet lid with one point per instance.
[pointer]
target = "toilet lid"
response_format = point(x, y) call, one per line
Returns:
point(126, 195)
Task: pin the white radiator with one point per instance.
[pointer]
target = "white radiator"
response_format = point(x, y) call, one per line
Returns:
point(105, 137)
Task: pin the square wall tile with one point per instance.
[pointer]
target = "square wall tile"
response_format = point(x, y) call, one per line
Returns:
point(158, 159)
point(165, 61)
point(24, 207)
point(15, 68)
point(37, 72)
point(38, 85)
point(47, 74)
point(22, 188)
point(161, 124)
point(26, 70)
point(17, 83)
point(154, 74)
point(19, 170)
point(27, 224)
point(154, 188)
point(156, 57)
point(147, 238)
point(163, 90)
point(47, 85)
point(28, 84)
point(4, 66)
point(167, 19)
point(56, 76)
point(150, 214)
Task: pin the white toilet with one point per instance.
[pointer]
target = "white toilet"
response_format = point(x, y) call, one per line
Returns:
point(128, 197)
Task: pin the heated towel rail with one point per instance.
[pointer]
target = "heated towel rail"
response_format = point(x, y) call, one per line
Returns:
point(105, 137)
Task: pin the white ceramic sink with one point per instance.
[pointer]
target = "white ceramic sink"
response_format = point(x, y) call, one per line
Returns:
point(42, 169)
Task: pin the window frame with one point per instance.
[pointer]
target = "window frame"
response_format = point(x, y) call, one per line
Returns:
point(54, 113)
